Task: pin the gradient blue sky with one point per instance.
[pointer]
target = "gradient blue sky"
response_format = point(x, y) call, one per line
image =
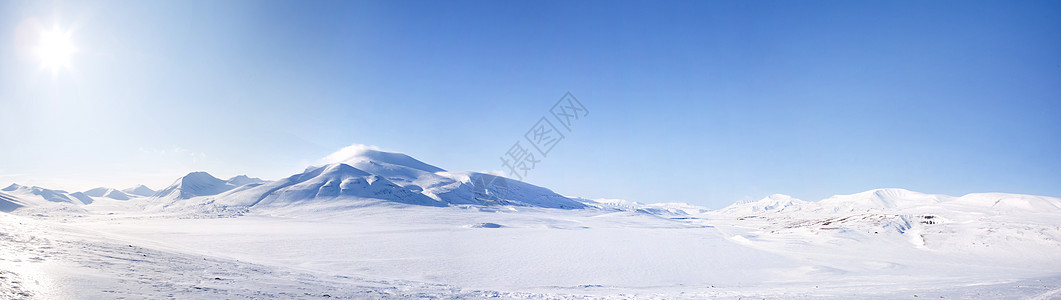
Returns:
point(705, 102)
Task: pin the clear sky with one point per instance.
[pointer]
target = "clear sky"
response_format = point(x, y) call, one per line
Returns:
point(705, 102)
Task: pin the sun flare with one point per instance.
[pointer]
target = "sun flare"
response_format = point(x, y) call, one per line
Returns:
point(55, 49)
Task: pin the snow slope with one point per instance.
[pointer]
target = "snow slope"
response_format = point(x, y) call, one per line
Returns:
point(905, 234)
point(479, 251)
point(9, 203)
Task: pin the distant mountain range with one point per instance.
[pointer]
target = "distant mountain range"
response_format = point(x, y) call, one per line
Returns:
point(365, 177)
point(897, 200)
point(372, 177)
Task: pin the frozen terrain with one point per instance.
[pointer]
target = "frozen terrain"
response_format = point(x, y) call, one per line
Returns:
point(384, 225)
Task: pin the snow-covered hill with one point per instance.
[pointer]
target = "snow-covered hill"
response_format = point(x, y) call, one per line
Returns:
point(107, 192)
point(900, 230)
point(39, 193)
point(669, 209)
point(897, 201)
point(772, 203)
point(42, 201)
point(139, 190)
point(197, 184)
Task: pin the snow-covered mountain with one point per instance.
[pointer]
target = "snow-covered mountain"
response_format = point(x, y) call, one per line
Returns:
point(979, 224)
point(33, 200)
point(140, 190)
point(107, 192)
point(899, 201)
point(241, 180)
point(377, 161)
point(197, 184)
point(455, 187)
point(38, 193)
point(331, 185)
point(772, 203)
point(671, 208)
point(365, 177)
point(881, 199)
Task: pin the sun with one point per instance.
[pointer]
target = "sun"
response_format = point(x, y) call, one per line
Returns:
point(54, 49)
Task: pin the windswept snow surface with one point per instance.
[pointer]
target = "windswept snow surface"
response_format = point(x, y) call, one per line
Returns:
point(975, 246)
point(381, 225)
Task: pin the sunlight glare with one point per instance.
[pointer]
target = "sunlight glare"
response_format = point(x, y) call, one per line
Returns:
point(54, 49)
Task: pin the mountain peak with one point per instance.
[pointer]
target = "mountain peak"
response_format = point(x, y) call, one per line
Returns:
point(199, 176)
point(105, 192)
point(201, 183)
point(12, 187)
point(195, 184)
point(775, 202)
point(48, 194)
point(778, 197)
point(240, 180)
point(356, 155)
point(139, 190)
point(883, 198)
point(97, 192)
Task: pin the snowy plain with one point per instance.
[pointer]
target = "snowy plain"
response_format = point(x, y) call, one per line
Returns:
point(383, 225)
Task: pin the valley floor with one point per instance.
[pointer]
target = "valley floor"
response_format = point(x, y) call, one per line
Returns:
point(481, 252)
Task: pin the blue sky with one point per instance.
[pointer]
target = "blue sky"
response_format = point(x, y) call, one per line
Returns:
point(705, 102)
